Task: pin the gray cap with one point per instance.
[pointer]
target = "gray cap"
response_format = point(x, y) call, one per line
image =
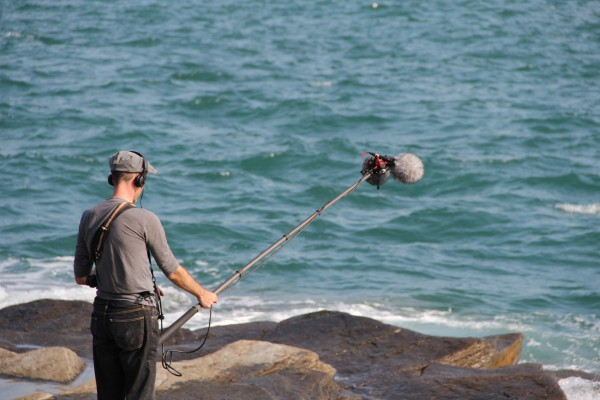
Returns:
point(129, 161)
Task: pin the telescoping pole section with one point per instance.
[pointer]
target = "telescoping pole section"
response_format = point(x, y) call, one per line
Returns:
point(238, 275)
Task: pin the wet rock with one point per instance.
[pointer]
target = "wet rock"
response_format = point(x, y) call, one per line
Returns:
point(56, 364)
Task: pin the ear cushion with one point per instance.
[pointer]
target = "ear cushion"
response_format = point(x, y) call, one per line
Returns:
point(140, 180)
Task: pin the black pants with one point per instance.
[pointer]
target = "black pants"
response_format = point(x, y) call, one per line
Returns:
point(125, 349)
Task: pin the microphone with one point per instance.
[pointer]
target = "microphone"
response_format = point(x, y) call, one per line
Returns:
point(408, 168)
point(405, 167)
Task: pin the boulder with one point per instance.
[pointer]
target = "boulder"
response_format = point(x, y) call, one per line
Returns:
point(56, 364)
point(251, 370)
point(437, 381)
point(375, 360)
point(47, 323)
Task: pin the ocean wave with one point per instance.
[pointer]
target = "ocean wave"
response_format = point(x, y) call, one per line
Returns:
point(556, 341)
point(586, 209)
point(576, 388)
point(26, 280)
point(17, 35)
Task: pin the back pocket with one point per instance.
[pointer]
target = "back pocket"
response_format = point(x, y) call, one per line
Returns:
point(128, 333)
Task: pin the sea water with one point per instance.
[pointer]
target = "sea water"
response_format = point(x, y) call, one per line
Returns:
point(257, 113)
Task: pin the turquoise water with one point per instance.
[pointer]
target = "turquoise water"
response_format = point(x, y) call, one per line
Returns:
point(256, 114)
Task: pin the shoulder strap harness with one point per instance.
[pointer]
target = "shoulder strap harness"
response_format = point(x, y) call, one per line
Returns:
point(100, 236)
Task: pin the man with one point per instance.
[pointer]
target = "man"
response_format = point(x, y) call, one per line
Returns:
point(125, 318)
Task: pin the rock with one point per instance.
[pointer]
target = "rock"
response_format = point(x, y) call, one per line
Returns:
point(437, 381)
point(56, 364)
point(86, 391)
point(491, 352)
point(47, 323)
point(246, 369)
point(349, 343)
point(37, 396)
point(381, 361)
point(370, 359)
point(218, 337)
point(251, 370)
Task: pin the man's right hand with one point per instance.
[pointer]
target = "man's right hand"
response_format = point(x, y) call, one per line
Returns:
point(207, 299)
point(182, 278)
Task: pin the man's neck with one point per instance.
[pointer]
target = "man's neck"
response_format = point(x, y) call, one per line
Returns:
point(124, 193)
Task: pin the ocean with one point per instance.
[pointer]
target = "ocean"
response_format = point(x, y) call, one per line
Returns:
point(256, 113)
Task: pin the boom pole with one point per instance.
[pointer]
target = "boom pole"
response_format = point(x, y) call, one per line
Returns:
point(240, 274)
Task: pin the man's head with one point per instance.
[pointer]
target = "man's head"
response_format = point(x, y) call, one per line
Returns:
point(129, 165)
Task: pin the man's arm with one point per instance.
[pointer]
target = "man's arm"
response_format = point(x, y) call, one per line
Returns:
point(182, 278)
point(81, 280)
point(82, 263)
point(88, 280)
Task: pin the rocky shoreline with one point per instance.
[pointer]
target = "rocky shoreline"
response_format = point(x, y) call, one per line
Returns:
point(322, 355)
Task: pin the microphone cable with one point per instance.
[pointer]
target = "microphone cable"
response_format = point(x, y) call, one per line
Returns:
point(167, 355)
point(142, 197)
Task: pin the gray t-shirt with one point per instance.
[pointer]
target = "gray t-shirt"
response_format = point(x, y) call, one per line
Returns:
point(123, 270)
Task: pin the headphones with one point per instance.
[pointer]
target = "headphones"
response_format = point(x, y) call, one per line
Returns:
point(140, 180)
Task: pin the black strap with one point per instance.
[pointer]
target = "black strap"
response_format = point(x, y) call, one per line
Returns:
point(100, 236)
point(161, 316)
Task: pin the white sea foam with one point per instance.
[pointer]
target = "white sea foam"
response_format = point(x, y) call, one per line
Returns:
point(321, 84)
point(243, 309)
point(18, 35)
point(587, 209)
point(25, 280)
point(576, 388)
